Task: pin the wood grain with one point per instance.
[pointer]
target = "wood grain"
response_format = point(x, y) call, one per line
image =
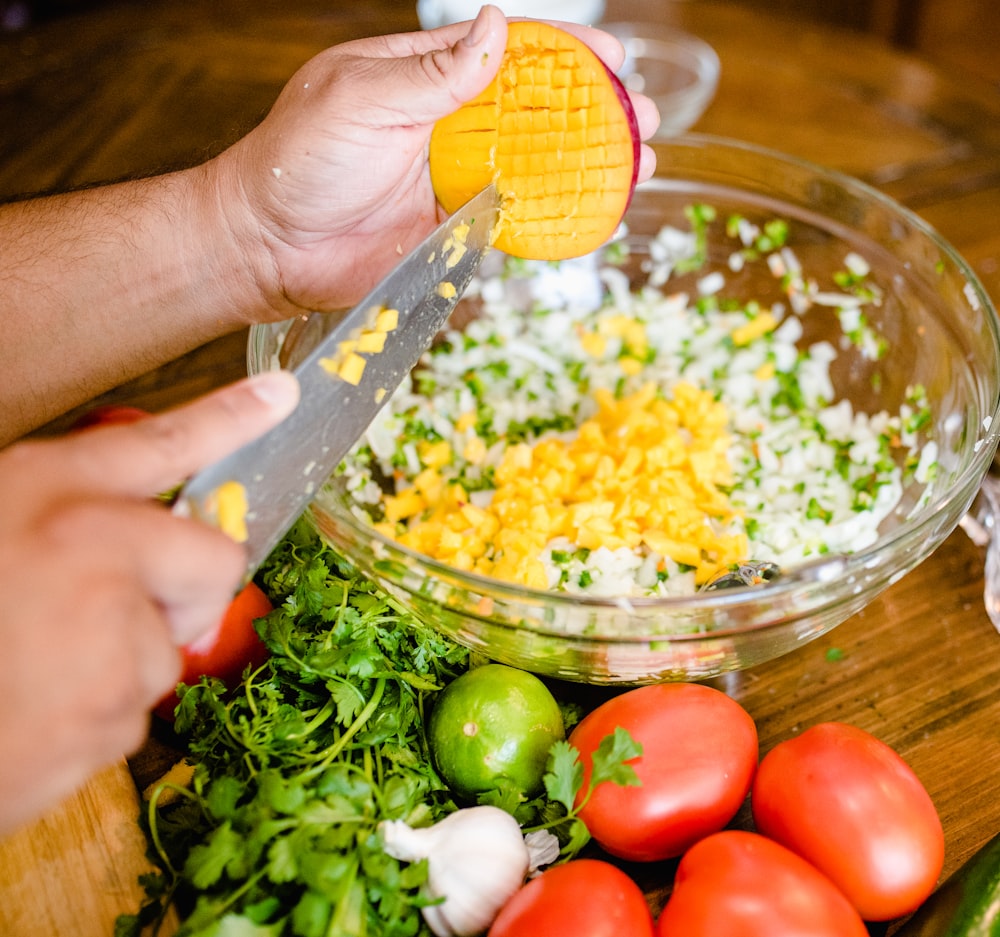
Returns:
point(135, 89)
point(75, 870)
point(960, 34)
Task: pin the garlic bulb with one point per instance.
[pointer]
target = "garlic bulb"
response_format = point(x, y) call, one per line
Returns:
point(476, 858)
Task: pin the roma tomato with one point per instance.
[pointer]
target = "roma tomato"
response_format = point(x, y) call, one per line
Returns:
point(228, 651)
point(108, 415)
point(582, 898)
point(740, 883)
point(699, 754)
point(846, 802)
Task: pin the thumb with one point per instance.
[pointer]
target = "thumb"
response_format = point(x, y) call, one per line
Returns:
point(154, 454)
point(452, 75)
point(471, 63)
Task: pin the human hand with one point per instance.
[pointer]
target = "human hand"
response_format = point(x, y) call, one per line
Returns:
point(104, 584)
point(334, 182)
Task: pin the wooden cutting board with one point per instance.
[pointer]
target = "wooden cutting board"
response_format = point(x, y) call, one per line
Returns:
point(71, 873)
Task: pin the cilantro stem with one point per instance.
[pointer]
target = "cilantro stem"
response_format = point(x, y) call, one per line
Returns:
point(322, 714)
point(248, 689)
point(153, 816)
point(366, 758)
point(354, 728)
point(348, 906)
point(234, 896)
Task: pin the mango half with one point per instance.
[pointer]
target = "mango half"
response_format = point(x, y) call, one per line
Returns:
point(556, 133)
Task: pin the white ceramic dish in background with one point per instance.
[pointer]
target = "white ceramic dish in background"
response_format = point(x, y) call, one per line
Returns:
point(433, 13)
point(680, 72)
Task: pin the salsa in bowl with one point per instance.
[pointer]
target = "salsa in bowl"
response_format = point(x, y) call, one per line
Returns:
point(769, 397)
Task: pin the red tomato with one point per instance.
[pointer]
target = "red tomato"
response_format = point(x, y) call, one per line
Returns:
point(740, 884)
point(228, 652)
point(849, 804)
point(698, 761)
point(583, 898)
point(112, 413)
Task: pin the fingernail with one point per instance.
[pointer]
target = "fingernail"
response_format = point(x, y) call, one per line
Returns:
point(278, 389)
point(478, 29)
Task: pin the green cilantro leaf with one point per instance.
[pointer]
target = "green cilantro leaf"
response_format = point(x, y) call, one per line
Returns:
point(610, 759)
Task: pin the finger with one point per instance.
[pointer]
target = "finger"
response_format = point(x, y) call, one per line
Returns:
point(159, 664)
point(454, 63)
point(608, 48)
point(438, 70)
point(187, 569)
point(157, 453)
point(487, 33)
point(647, 163)
point(647, 115)
point(419, 42)
point(466, 66)
point(140, 662)
point(190, 569)
point(194, 578)
point(400, 45)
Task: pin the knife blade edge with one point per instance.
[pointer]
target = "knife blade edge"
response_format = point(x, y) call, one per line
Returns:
point(271, 475)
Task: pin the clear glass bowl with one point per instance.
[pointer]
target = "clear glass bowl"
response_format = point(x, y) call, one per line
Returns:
point(679, 71)
point(942, 332)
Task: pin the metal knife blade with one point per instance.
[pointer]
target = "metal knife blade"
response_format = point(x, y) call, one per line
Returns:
point(279, 473)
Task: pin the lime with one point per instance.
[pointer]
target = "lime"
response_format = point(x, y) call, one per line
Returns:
point(492, 728)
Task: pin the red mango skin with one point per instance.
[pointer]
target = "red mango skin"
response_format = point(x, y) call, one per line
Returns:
point(633, 126)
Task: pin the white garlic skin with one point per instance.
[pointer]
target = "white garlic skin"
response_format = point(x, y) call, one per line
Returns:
point(476, 860)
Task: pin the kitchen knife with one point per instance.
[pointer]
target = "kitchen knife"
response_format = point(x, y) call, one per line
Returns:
point(256, 493)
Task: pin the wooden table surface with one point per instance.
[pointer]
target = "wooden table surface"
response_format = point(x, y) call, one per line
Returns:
point(143, 88)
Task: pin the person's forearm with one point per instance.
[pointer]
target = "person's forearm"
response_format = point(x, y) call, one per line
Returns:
point(307, 211)
point(101, 285)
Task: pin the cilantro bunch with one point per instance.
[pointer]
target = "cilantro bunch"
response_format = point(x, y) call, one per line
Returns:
point(297, 766)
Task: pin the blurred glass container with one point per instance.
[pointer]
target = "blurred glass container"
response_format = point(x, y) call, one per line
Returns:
point(680, 72)
point(433, 13)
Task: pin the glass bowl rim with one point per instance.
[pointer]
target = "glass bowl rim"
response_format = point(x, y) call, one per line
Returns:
point(801, 576)
point(708, 64)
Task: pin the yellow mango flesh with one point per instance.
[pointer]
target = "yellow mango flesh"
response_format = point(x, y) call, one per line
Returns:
point(554, 136)
point(230, 503)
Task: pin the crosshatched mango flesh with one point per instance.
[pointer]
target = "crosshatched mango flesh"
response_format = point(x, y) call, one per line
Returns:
point(556, 133)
